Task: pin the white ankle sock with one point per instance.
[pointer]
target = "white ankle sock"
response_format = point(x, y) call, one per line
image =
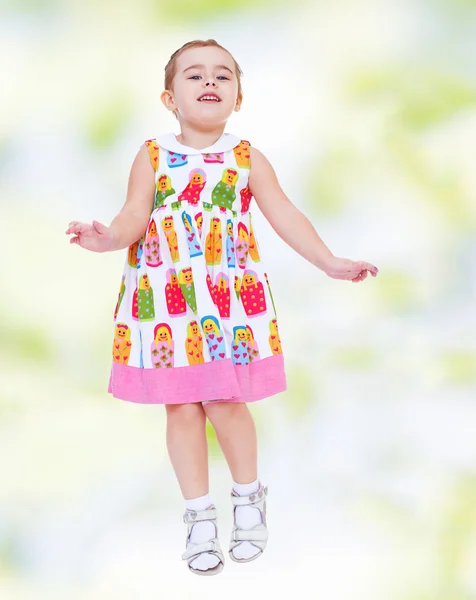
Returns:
point(246, 517)
point(202, 531)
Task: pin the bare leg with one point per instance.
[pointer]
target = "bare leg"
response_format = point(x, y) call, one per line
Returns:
point(187, 447)
point(188, 452)
point(236, 434)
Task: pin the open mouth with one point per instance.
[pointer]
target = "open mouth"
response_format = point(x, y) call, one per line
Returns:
point(209, 98)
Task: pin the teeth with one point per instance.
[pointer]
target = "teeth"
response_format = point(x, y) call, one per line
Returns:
point(209, 98)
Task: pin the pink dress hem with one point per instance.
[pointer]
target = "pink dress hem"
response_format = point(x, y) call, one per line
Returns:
point(207, 382)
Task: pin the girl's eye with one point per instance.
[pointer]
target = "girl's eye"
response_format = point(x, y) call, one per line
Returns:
point(194, 77)
point(222, 77)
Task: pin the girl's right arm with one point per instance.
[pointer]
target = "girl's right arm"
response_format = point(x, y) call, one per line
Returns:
point(130, 224)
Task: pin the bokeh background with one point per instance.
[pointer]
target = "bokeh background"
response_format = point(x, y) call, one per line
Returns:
point(366, 108)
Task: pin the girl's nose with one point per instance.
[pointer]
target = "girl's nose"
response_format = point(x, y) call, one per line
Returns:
point(211, 83)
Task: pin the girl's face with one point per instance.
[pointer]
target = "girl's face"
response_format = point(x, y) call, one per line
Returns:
point(200, 72)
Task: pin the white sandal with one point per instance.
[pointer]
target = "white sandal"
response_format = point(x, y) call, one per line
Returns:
point(191, 517)
point(258, 535)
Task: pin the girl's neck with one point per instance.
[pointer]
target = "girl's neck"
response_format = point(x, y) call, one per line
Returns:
point(197, 139)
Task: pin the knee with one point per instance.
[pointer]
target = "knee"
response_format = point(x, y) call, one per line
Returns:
point(224, 410)
point(188, 415)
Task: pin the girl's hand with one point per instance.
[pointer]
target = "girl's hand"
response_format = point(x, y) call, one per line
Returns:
point(343, 268)
point(96, 237)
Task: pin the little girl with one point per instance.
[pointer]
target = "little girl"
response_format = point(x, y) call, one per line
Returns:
point(195, 322)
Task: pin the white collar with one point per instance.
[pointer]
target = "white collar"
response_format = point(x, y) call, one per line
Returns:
point(227, 141)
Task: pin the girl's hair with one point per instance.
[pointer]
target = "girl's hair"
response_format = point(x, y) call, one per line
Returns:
point(171, 65)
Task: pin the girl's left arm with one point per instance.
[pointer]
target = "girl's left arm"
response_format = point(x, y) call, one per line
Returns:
point(295, 228)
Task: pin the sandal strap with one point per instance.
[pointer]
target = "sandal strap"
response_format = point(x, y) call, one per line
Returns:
point(251, 498)
point(256, 534)
point(212, 546)
point(192, 516)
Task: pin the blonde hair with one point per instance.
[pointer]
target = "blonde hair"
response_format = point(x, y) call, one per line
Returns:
point(170, 67)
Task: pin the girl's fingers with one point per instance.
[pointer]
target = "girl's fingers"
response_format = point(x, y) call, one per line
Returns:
point(74, 240)
point(372, 268)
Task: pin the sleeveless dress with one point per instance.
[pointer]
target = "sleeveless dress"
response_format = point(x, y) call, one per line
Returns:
point(195, 320)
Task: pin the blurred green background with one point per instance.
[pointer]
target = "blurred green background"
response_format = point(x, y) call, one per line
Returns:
point(367, 110)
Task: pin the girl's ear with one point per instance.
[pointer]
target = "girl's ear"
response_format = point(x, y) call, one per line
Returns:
point(168, 100)
point(239, 100)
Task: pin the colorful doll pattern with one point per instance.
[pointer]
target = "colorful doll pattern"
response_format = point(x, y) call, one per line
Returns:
point(242, 245)
point(230, 244)
point(194, 344)
point(172, 239)
point(242, 154)
point(122, 291)
point(162, 348)
point(164, 190)
point(145, 300)
point(239, 346)
point(194, 248)
point(214, 338)
point(253, 350)
point(253, 247)
point(194, 290)
point(224, 192)
point(175, 159)
point(134, 253)
point(221, 295)
point(274, 339)
point(188, 288)
point(196, 183)
point(152, 246)
point(213, 243)
point(176, 304)
point(121, 348)
point(252, 295)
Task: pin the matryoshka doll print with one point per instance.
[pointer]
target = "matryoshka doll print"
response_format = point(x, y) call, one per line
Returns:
point(168, 227)
point(239, 346)
point(214, 338)
point(237, 286)
point(194, 344)
point(176, 304)
point(274, 340)
point(121, 347)
point(154, 152)
point(246, 197)
point(192, 240)
point(199, 222)
point(269, 291)
point(253, 247)
point(211, 289)
point(214, 157)
point(224, 192)
point(252, 295)
point(162, 347)
point(242, 154)
point(188, 288)
point(213, 243)
point(164, 189)
point(175, 159)
point(230, 244)
point(222, 295)
point(145, 300)
point(152, 246)
point(122, 291)
point(242, 244)
point(134, 253)
point(196, 183)
point(253, 350)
